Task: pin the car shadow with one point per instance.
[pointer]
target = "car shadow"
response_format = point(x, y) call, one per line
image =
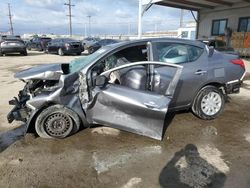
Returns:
point(9, 137)
point(168, 120)
point(35, 53)
point(13, 55)
point(188, 169)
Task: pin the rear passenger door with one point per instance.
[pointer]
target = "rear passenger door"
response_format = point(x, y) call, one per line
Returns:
point(54, 45)
point(194, 73)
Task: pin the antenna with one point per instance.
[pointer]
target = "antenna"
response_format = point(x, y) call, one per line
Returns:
point(10, 19)
point(70, 16)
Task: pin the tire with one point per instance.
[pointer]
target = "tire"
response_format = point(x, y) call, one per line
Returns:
point(39, 47)
point(60, 52)
point(79, 53)
point(209, 103)
point(24, 53)
point(57, 121)
point(28, 48)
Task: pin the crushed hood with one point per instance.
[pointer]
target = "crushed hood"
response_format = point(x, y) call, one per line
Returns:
point(44, 72)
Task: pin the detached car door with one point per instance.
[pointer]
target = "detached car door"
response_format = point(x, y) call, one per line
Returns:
point(128, 104)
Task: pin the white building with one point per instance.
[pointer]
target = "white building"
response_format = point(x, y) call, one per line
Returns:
point(213, 16)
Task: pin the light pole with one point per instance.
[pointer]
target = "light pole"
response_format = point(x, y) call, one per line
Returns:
point(89, 17)
point(144, 5)
point(140, 20)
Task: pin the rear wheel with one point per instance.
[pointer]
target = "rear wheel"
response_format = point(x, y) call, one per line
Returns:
point(60, 52)
point(57, 122)
point(91, 50)
point(209, 103)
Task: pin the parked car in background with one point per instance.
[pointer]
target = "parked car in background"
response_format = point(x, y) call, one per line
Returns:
point(104, 42)
point(65, 46)
point(38, 43)
point(89, 41)
point(12, 44)
point(129, 85)
point(219, 45)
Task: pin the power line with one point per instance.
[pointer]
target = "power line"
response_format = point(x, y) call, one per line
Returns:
point(70, 16)
point(10, 19)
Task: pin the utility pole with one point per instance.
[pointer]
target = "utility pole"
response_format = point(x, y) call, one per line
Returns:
point(85, 30)
point(10, 19)
point(70, 16)
point(181, 18)
point(129, 28)
point(89, 17)
point(140, 20)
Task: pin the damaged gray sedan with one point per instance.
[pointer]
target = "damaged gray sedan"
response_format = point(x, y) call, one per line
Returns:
point(129, 86)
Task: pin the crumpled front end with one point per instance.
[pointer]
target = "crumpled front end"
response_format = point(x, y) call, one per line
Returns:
point(21, 111)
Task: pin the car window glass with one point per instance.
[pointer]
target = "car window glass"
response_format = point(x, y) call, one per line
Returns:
point(172, 53)
point(194, 53)
point(176, 53)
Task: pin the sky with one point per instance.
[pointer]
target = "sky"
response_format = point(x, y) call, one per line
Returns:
point(107, 17)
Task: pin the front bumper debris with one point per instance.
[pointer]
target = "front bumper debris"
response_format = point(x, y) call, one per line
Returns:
point(17, 113)
point(20, 112)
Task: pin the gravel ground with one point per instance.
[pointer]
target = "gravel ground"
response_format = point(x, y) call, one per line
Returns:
point(194, 153)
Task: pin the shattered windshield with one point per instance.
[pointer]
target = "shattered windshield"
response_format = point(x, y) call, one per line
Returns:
point(79, 63)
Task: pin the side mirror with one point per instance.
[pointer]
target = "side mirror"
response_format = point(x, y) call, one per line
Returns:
point(101, 81)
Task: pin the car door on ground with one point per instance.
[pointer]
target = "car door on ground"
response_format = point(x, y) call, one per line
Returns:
point(194, 74)
point(125, 101)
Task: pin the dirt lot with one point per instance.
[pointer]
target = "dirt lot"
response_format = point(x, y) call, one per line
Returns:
point(192, 150)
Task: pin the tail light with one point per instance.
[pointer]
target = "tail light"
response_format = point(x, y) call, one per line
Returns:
point(238, 62)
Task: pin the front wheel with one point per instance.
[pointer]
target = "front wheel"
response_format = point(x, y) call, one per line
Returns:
point(209, 103)
point(57, 122)
point(24, 53)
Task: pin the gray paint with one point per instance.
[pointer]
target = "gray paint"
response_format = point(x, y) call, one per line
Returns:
point(137, 111)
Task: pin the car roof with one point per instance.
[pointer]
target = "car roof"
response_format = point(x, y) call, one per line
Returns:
point(10, 37)
point(172, 40)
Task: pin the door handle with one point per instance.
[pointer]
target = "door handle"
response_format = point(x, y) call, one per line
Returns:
point(200, 72)
point(151, 105)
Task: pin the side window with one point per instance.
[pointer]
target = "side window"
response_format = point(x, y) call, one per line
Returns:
point(194, 53)
point(122, 57)
point(171, 53)
point(176, 53)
